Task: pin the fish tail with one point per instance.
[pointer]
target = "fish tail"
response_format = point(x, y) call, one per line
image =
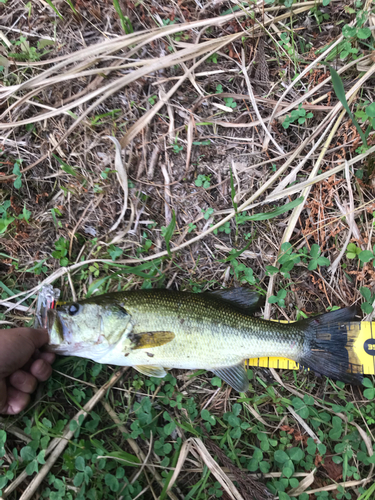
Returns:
point(328, 348)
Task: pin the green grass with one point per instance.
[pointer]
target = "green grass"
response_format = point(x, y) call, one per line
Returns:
point(156, 410)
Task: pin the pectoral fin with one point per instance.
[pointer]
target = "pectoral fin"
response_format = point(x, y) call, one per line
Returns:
point(148, 340)
point(151, 371)
point(235, 376)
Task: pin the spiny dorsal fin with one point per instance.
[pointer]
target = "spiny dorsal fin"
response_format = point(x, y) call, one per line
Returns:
point(148, 340)
point(235, 376)
point(151, 371)
point(242, 298)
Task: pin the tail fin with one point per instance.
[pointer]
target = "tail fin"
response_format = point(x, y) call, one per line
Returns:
point(329, 349)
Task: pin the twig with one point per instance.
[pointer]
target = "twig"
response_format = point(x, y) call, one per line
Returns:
point(153, 161)
point(77, 226)
point(253, 102)
point(350, 220)
point(167, 194)
point(15, 431)
point(331, 487)
point(139, 472)
point(123, 179)
point(190, 136)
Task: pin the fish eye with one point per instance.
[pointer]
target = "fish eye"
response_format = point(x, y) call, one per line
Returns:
point(73, 309)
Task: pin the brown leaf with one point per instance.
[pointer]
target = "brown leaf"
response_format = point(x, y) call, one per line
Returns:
point(333, 470)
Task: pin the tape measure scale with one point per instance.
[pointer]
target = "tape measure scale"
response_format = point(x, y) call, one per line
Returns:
point(363, 336)
point(361, 357)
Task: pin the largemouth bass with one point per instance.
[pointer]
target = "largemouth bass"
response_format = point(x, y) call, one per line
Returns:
point(157, 330)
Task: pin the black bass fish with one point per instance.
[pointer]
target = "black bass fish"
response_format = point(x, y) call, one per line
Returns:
point(157, 330)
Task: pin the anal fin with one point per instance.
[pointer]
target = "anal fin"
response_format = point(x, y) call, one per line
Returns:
point(235, 376)
point(151, 371)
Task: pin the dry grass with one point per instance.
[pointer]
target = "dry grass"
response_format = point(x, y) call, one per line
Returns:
point(190, 96)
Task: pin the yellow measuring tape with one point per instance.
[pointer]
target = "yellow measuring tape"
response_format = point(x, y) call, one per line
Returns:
point(361, 334)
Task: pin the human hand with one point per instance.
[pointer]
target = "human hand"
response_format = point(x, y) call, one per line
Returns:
point(22, 365)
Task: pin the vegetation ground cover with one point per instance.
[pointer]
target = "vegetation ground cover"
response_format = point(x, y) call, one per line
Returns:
point(247, 159)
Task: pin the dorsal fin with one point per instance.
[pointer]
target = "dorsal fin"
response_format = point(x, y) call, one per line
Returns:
point(242, 298)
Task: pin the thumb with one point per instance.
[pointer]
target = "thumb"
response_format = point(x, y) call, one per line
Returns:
point(17, 345)
point(3, 396)
point(38, 337)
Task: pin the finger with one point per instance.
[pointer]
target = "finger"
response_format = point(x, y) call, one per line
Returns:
point(17, 401)
point(41, 370)
point(39, 337)
point(49, 357)
point(26, 367)
point(17, 347)
point(23, 381)
point(3, 396)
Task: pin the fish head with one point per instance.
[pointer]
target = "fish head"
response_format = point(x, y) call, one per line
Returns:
point(86, 328)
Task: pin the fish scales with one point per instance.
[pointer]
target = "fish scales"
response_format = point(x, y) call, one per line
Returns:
point(154, 330)
point(208, 332)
